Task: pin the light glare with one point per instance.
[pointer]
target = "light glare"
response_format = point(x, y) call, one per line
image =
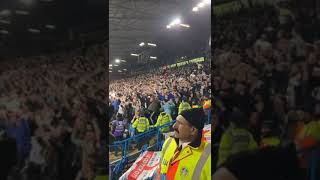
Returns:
point(201, 4)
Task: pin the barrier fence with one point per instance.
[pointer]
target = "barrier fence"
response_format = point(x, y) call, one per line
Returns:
point(142, 141)
point(118, 166)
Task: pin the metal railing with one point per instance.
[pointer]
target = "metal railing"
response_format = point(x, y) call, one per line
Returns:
point(117, 166)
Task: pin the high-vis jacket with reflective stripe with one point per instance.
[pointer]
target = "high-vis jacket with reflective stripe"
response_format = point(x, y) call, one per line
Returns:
point(233, 141)
point(184, 106)
point(190, 163)
point(141, 124)
point(163, 118)
point(270, 142)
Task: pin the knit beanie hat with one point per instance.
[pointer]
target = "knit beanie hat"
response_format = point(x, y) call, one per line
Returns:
point(195, 117)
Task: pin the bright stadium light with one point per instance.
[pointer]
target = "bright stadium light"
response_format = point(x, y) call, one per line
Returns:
point(119, 71)
point(176, 21)
point(110, 71)
point(141, 44)
point(123, 60)
point(110, 65)
point(116, 65)
point(207, 2)
point(153, 57)
point(200, 5)
point(117, 61)
point(195, 9)
point(185, 25)
point(125, 69)
point(151, 44)
point(132, 54)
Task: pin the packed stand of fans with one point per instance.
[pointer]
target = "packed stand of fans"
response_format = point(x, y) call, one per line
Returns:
point(155, 98)
point(52, 106)
point(266, 87)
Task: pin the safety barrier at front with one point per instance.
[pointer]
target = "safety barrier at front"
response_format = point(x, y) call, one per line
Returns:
point(124, 145)
point(143, 141)
point(129, 153)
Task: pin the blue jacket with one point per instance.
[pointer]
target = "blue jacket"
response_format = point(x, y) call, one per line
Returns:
point(168, 108)
point(161, 96)
point(171, 96)
point(116, 104)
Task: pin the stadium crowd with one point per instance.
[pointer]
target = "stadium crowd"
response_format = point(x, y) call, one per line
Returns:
point(266, 90)
point(52, 106)
point(157, 96)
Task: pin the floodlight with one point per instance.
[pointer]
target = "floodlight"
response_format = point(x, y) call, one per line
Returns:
point(185, 25)
point(201, 4)
point(132, 54)
point(141, 44)
point(153, 57)
point(195, 9)
point(151, 44)
point(117, 61)
point(176, 21)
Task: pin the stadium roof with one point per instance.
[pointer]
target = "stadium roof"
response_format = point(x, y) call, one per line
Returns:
point(30, 26)
point(134, 21)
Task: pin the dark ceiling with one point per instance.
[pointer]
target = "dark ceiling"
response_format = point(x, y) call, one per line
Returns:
point(135, 21)
point(36, 26)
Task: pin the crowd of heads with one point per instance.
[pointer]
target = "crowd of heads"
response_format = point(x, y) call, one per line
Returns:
point(53, 106)
point(266, 67)
point(150, 92)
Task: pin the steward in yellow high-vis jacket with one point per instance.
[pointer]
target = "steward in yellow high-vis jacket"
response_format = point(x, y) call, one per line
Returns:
point(185, 156)
point(163, 118)
point(141, 124)
point(236, 138)
point(184, 105)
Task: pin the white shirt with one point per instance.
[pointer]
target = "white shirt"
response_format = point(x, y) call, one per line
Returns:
point(183, 144)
